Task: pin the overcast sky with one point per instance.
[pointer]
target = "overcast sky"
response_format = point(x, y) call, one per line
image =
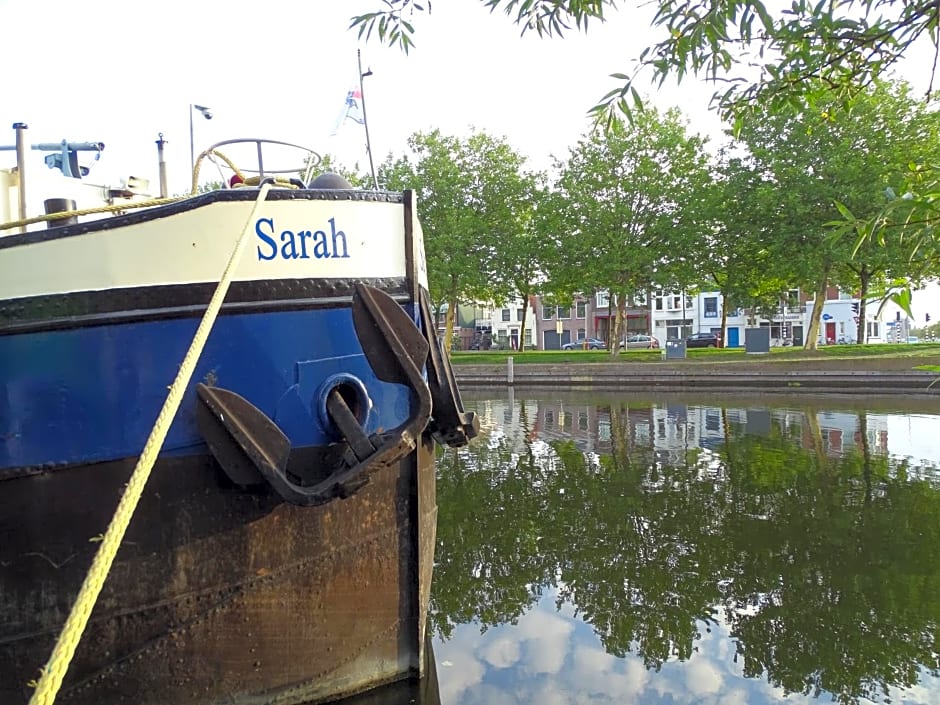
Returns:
point(121, 73)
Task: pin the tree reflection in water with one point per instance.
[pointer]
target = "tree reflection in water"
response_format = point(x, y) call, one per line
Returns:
point(815, 550)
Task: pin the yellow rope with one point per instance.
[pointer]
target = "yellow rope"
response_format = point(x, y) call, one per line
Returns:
point(90, 211)
point(198, 166)
point(54, 672)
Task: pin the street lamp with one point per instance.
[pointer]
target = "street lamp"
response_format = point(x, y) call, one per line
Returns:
point(207, 114)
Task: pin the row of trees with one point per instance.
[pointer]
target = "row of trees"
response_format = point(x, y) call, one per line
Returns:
point(642, 206)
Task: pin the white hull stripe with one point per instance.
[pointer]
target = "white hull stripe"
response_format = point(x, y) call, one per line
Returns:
point(302, 236)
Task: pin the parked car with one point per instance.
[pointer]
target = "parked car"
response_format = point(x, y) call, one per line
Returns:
point(703, 340)
point(592, 344)
point(640, 341)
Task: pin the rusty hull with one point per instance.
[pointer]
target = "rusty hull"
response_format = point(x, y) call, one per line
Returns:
point(218, 595)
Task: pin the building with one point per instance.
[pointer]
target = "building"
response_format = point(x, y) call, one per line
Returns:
point(666, 316)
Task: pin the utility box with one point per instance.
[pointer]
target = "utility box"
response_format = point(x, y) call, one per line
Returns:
point(675, 349)
point(757, 340)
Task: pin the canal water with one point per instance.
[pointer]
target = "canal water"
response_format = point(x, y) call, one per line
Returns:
point(670, 549)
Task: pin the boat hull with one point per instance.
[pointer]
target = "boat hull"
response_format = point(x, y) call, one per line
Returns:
point(282, 550)
point(218, 594)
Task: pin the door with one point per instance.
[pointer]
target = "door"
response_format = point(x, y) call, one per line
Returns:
point(798, 336)
point(830, 332)
point(553, 341)
point(733, 337)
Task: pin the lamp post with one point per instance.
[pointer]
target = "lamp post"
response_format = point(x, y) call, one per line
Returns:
point(207, 114)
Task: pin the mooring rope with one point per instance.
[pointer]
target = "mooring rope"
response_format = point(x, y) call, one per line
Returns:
point(52, 675)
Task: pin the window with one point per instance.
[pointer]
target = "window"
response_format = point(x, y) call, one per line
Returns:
point(712, 420)
point(519, 315)
point(583, 420)
point(603, 299)
point(547, 312)
point(874, 330)
point(581, 310)
point(505, 314)
point(528, 336)
point(582, 333)
point(564, 312)
point(659, 303)
point(793, 298)
point(711, 307)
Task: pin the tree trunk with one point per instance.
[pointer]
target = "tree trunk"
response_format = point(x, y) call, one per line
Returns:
point(451, 317)
point(724, 319)
point(866, 455)
point(864, 279)
point(613, 344)
point(525, 308)
point(812, 335)
point(815, 433)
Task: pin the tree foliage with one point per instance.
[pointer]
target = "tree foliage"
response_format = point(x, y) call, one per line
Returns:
point(472, 199)
point(762, 54)
point(762, 57)
point(625, 223)
point(816, 161)
point(738, 258)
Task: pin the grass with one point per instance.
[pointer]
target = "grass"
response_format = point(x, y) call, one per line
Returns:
point(827, 352)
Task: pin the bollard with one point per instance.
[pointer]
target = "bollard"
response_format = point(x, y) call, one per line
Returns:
point(509, 371)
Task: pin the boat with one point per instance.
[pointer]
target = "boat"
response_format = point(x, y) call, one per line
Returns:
point(282, 548)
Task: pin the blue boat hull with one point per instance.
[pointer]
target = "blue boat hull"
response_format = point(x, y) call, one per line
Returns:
point(70, 397)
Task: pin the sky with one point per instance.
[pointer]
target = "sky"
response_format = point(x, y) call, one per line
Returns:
point(99, 71)
point(551, 656)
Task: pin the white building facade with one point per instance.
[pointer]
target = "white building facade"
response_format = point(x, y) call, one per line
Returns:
point(675, 317)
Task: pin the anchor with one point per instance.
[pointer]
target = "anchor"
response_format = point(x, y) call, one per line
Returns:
point(252, 449)
point(450, 425)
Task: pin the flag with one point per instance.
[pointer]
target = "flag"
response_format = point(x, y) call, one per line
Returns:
point(352, 110)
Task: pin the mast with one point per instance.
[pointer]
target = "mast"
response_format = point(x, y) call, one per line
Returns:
point(365, 121)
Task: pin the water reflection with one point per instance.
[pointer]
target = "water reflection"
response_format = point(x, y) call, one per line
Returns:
point(678, 551)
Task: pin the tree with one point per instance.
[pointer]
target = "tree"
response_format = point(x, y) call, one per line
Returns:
point(763, 57)
point(795, 56)
point(471, 201)
point(521, 258)
point(624, 227)
point(738, 258)
point(821, 160)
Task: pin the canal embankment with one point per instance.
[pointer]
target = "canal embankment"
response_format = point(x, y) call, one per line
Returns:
point(853, 376)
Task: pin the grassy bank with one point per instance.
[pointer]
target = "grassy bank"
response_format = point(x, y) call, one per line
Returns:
point(919, 355)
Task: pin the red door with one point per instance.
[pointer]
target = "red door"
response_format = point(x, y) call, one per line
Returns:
point(830, 332)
